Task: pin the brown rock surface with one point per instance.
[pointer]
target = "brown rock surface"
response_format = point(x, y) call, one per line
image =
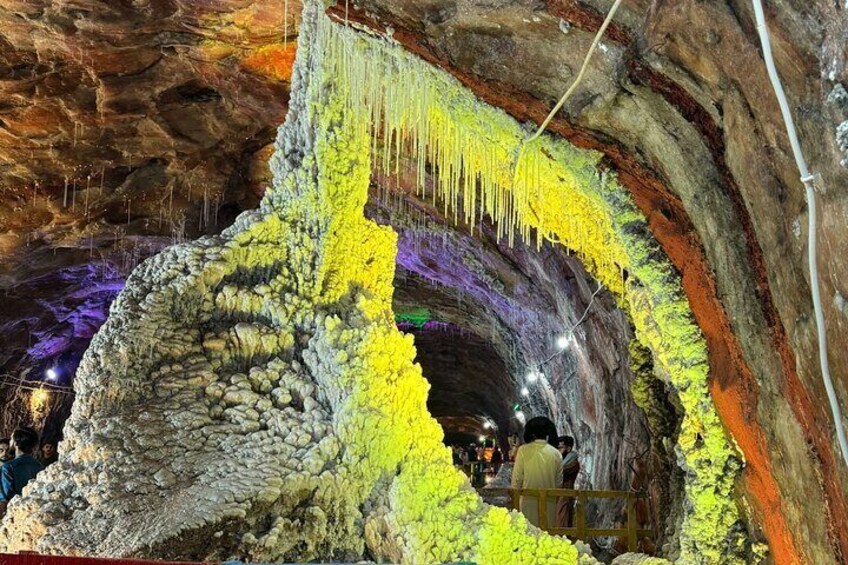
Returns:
point(125, 125)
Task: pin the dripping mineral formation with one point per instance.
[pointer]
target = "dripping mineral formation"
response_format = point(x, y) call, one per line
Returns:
point(277, 341)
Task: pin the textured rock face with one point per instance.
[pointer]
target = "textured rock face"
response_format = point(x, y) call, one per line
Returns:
point(230, 333)
point(676, 75)
point(679, 102)
point(124, 127)
point(258, 379)
point(188, 384)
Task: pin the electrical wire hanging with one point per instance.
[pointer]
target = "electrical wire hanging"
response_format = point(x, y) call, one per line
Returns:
point(579, 78)
point(570, 333)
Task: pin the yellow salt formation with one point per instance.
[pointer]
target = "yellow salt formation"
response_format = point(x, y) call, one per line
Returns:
point(275, 343)
point(482, 167)
point(38, 401)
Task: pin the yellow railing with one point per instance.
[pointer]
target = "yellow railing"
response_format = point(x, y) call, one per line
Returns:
point(580, 530)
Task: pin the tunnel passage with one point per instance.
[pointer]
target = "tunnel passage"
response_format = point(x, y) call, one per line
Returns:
point(549, 191)
point(511, 303)
point(470, 384)
point(316, 292)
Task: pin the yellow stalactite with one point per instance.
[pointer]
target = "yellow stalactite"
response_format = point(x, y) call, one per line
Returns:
point(371, 102)
point(38, 401)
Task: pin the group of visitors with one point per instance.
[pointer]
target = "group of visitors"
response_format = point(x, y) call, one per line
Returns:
point(478, 461)
point(476, 454)
point(546, 461)
point(22, 460)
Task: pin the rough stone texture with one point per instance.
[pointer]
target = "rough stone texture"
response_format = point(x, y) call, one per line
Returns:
point(695, 108)
point(683, 74)
point(126, 126)
point(273, 344)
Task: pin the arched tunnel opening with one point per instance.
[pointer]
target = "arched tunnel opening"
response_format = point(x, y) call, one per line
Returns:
point(505, 332)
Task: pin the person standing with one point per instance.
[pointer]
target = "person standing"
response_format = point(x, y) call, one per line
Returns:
point(570, 470)
point(457, 459)
point(538, 465)
point(513, 447)
point(48, 454)
point(17, 473)
point(570, 462)
point(497, 460)
point(5, 450)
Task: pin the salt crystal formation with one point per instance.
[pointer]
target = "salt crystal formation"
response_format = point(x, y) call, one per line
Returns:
point(250, 396)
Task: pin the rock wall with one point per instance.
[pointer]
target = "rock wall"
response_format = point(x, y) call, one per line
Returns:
point(250, 396)
point(275, 343)
point(679, 102)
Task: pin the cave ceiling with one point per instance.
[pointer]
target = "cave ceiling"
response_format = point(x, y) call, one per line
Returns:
point(126, 126)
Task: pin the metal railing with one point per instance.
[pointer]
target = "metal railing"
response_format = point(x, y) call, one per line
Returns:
point(580, 530)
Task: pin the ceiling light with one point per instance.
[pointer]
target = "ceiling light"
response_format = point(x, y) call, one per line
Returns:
point(482, 439)
point(532, 377)
point(520, 416)
point(487, 425)
point(565, 341)
point(52, 374)
point(525, 391)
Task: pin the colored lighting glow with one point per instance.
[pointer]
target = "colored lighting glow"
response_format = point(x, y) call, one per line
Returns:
point(38, 401)
point(52, 374)
point(545, 186)
point(416, 317)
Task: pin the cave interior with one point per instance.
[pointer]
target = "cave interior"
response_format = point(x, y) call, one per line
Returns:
point(648, 292)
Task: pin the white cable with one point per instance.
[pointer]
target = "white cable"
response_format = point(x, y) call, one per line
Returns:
point(807, 179)
point(586, 311)
point(579, 78)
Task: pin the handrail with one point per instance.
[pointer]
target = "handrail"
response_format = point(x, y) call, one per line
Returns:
point(580, 530)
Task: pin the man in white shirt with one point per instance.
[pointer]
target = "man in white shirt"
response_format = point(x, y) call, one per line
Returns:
point(538, 465)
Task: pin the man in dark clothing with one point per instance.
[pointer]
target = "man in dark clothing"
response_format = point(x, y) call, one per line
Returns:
point(15, 474)
point(48, 453)
point(457, 460)
point(5, 450)
point(570, 470)
point(497, 460)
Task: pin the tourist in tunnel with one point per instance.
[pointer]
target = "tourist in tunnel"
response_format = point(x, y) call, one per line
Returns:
point(48, 453)
point(456, 455)
point(538, 465)
point(497, 460)
point(472, 453)
point(16, 474)
point(570, 470)
point(5, 450)
point(513, 447)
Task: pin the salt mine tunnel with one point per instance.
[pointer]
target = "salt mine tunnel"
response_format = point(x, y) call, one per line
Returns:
point(266, 263)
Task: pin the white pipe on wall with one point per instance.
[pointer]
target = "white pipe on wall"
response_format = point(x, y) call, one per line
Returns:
point(807, 179)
